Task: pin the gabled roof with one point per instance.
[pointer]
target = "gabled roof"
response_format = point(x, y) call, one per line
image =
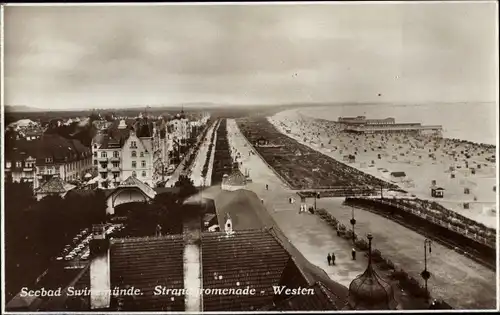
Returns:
point(247, 258)
point(55, 185)
point(134, 182)
point(245, 208)
point(141, 145)
point(143, 263)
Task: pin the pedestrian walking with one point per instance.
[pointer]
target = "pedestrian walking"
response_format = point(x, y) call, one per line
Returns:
point(333, 258)
point(353, 253)
point(329, 259)
point(267, 187)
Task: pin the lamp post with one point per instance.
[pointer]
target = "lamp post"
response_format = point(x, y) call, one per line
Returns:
point(426, 274)
point(353, 222)
point(316, 196)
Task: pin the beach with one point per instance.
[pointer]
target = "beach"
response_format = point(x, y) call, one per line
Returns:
point(459, 167)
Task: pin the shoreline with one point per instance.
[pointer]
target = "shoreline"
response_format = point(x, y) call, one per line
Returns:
point(410, 155)
point(311, 116)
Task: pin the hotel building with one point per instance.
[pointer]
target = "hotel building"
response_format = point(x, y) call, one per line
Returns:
point(37, 161)
point(360, 124)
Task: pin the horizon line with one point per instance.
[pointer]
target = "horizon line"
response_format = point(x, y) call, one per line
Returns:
point(214, 104)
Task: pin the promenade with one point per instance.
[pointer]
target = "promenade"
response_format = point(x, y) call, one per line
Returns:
point(201, 156)
point(458, 280)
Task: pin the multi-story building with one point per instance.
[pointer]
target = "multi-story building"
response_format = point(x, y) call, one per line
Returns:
point(139, 150)
point(161, 152)
point(107, 154)
point(180, 128)
point(68, 159)
point(137, 157)
point(360, 124)
point(37, 161)
point(20, 165)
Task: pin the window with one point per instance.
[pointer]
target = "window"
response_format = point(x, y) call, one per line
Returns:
point(143, 163)
point(48, 160)
point(133, 144)
point(19, 164)
point(116, 164)
point(134, 174)
point(95, 162)
point(104, 154)
point(142, 154)
point(134, 164)
point(104, 175)
point(134, 154)
point(7, 165)
point(95, 154)
point(143, 173)
point(116, 154)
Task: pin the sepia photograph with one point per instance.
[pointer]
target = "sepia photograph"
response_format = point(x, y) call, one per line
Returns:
point(249, 157)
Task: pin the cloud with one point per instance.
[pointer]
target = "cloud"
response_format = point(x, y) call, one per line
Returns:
point(122, 55)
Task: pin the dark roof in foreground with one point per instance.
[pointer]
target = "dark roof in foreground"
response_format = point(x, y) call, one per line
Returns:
point(245, 209)
point(246, 258)
point(259, 256)
point(143, 263)
point(256, 259)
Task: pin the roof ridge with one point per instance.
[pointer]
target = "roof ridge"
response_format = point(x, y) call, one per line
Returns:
point(272, 229)
point(327, 291)
point(146, 238)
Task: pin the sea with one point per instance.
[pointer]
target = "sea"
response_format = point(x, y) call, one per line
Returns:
point(474, 122)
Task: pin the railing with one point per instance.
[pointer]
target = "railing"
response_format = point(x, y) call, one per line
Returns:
point(440, 222)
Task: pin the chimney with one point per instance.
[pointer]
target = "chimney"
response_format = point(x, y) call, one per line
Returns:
point(193, 277)
point(100, 274)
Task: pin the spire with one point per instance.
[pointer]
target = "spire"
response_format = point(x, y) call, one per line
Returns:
point(369, 291)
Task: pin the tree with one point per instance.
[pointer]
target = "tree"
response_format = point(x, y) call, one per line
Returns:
point(186, 186)
point(109, 117)
point(168, 212)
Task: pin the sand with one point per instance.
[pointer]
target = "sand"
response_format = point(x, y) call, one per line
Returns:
point(457, 279)
point(408, 154)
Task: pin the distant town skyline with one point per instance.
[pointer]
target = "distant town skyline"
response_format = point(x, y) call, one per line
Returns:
point(59, 57)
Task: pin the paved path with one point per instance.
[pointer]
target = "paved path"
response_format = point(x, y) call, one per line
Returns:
point(208, 180)
point(314, 238)
point(455, 278)
point(201, 156)
point(460, 281)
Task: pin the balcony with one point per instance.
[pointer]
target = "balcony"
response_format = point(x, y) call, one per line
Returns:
point(102, 159)
point(103, 167)
point(28, 169)
point(116, 169)
point(115, 159)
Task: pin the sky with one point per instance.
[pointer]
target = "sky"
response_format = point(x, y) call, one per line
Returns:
point(59, 57)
